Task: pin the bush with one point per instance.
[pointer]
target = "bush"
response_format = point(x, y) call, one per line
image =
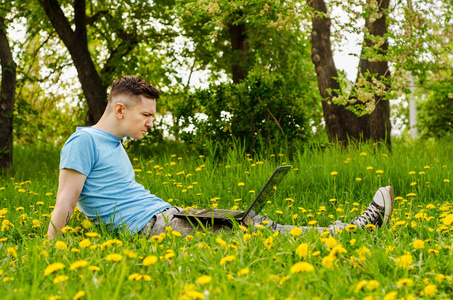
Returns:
point(263, 110)
point(436, 117)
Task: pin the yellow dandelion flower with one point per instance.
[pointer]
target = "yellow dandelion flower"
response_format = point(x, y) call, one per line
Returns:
point(390, 296)
point(330, 242)
point(358, 179)
point(169, 254)
point(302, 267)
point(12, 251)
point(405, 282)
point(241, 184)
point(269, 242)
point(247, 236)
point(362, 153)
point(61, 245)
point(60, 278)
point(243, 228)
point(79, 295)
point(337, 249)
point(176, 233)
point(86, 224)
point(220, 241)
point(404, 261)
point(418, 244)
point(296, 231)
point(279, 212)
point(84, 243)
point(369, 168)
point(430, 290)
point(379, 171)
point(227, 259)
point(149, 260)
point(448, 220)
point(363, 253)
point(36, 224)
point(78, 264)
point(334, 173)
point(302, 250)
point(433, 251)
point(53, 267)
point(114, 257)
point(195, 295)
point(204, 279)
point(147, 277)
point(411, 195)
point(372, 285)
point(360, 285)
point(329, 262)
point(312, 223)
point(94, 268)
point(446, 181)
point(92, 234)
point(244, 272)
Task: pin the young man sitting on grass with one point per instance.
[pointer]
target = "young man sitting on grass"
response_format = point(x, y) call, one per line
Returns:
point(97, 175)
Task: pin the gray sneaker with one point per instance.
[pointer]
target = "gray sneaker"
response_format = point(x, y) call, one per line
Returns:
point(380, 209)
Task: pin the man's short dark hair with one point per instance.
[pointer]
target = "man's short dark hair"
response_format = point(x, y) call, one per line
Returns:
point(131, 88)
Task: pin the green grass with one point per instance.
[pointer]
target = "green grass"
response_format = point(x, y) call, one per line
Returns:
point(262, 260)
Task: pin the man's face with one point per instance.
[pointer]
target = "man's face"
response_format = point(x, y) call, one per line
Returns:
point(137, 119)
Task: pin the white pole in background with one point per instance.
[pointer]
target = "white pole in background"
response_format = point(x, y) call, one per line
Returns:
point(412, 111)
point(413, 117)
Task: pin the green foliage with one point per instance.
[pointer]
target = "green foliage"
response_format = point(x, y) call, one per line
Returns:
point(262, 110)
point(436, 117)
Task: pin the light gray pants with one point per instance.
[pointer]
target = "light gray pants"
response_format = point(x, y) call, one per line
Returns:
point(161, 221)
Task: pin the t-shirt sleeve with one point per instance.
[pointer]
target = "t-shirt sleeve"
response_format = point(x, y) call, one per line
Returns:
point(78, 153)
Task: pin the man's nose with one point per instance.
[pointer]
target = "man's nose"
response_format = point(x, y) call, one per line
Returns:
point(149, 123)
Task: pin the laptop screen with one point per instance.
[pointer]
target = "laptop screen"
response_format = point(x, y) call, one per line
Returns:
point(268, 189)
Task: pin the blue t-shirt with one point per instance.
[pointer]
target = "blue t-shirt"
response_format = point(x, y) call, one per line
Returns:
point(110, 190)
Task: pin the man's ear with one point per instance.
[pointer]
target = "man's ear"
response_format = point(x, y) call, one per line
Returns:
point(119, 110)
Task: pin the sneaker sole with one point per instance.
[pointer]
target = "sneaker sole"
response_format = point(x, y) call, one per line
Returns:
point(389, 199)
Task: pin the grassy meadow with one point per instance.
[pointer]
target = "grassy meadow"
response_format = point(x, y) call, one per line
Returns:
point(411, 258)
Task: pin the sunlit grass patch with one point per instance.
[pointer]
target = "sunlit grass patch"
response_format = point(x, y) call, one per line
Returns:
point(411, 257)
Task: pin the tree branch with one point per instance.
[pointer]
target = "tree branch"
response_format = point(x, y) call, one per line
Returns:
point(80, 21)
point(93, 19)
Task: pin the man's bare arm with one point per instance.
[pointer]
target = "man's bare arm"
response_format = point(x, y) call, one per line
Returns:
point(69, 188)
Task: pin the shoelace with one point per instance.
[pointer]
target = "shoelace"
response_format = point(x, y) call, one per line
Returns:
point(369, 216)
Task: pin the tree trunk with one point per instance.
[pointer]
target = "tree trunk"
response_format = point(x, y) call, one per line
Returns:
point(342, 124)
point(239, 47)
point(7, 94)
point(377, 125)
point(76, 42)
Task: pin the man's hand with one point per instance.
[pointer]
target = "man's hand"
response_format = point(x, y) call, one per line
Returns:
point(69, 188)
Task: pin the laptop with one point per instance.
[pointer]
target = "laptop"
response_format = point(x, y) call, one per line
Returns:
point(224, 216)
